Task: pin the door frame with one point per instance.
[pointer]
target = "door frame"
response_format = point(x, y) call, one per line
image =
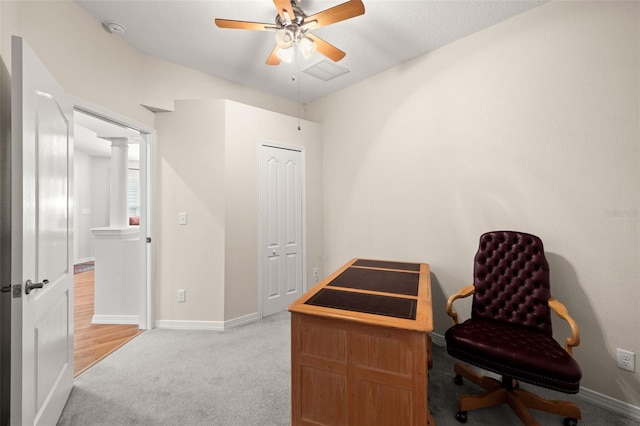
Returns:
point(261, 220)
point(5, 242)
point(146, 317)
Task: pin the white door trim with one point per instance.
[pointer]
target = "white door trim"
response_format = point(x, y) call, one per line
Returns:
point(147, 161)
point(267, 143)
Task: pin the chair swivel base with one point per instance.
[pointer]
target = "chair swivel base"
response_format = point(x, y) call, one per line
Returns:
point(519, 400)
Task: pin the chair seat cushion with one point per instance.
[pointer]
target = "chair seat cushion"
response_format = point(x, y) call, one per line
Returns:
point(516, 352)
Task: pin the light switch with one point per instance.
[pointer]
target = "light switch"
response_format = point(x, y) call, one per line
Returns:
point(182, 218)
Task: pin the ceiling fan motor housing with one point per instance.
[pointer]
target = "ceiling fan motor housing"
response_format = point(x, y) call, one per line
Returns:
point(290, 32)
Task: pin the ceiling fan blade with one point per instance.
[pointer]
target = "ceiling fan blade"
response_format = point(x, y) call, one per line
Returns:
point(244, 25)
point(327, 49)
point(284, 6)
point(273, 58)
point(337, 13)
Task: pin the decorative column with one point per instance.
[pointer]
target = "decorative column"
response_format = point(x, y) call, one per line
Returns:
point(119, 176)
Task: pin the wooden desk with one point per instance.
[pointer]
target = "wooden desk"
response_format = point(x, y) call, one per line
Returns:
point(359, 347)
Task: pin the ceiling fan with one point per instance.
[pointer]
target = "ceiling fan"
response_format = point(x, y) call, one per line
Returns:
point(292, 25)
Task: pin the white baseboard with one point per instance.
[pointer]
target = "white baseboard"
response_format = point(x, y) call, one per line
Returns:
point(585, 394)
point(115, 319)
point(243, 320)
point(207, 325)
point(438, 340)
point(84, 260)
point(190, 325)
point(609, 403)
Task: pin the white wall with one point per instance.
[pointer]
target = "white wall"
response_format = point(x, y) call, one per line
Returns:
point(92, 196)
point(100, 178)
point(531, 125)
point(82, 236)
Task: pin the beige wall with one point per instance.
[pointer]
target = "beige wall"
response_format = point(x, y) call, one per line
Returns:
point(86, 61)
point(532, 125)
point(102, 69)
point(208, 168)
point(245, 128)
point(190, 178)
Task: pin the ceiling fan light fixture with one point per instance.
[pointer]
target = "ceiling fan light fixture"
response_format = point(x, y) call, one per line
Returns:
point(284, 38)
point(307, 46)
point(291, 25)
point(285, 54)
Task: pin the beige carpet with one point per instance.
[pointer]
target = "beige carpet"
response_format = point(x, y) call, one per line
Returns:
point(241, 377)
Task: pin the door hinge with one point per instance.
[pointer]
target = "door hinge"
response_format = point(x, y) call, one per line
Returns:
point(17, 290)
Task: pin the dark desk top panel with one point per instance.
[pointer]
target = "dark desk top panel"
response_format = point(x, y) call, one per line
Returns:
point(377, 280)
point(367, 303)
point(414, 267)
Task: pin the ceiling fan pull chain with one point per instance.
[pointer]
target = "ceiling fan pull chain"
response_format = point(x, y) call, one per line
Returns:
point(299, 82)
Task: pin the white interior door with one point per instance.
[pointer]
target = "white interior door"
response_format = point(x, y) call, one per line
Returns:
point(41, 250)
point(281, 207)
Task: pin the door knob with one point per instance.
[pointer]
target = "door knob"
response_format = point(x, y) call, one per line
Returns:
point(29, 285)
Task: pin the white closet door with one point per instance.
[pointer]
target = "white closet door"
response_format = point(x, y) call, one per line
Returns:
point(281, 208)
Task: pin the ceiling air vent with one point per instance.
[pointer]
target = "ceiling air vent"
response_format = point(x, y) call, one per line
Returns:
point(325, 70)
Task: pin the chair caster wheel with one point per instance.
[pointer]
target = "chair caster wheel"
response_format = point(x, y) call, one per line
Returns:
point(458, 379)
point(570, 421)
point(461, 416)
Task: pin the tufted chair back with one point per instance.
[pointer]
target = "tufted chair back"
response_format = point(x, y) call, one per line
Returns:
point(511, 279)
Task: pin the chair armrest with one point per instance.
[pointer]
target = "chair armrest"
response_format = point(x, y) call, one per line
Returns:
point(465, 292)
point(562, 312)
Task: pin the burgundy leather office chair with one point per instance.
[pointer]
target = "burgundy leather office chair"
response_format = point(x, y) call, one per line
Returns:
point(509, 332)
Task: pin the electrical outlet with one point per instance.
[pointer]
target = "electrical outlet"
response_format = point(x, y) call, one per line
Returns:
point(182, 295)
point(315, 274)
point(626, 360)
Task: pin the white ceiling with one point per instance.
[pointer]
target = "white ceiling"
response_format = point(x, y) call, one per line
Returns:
point(389, 33)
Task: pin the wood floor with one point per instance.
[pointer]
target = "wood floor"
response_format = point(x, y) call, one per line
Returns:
point(93, 342)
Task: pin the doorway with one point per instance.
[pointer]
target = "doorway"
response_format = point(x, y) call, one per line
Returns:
point(282, 250)
point(102, 326)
